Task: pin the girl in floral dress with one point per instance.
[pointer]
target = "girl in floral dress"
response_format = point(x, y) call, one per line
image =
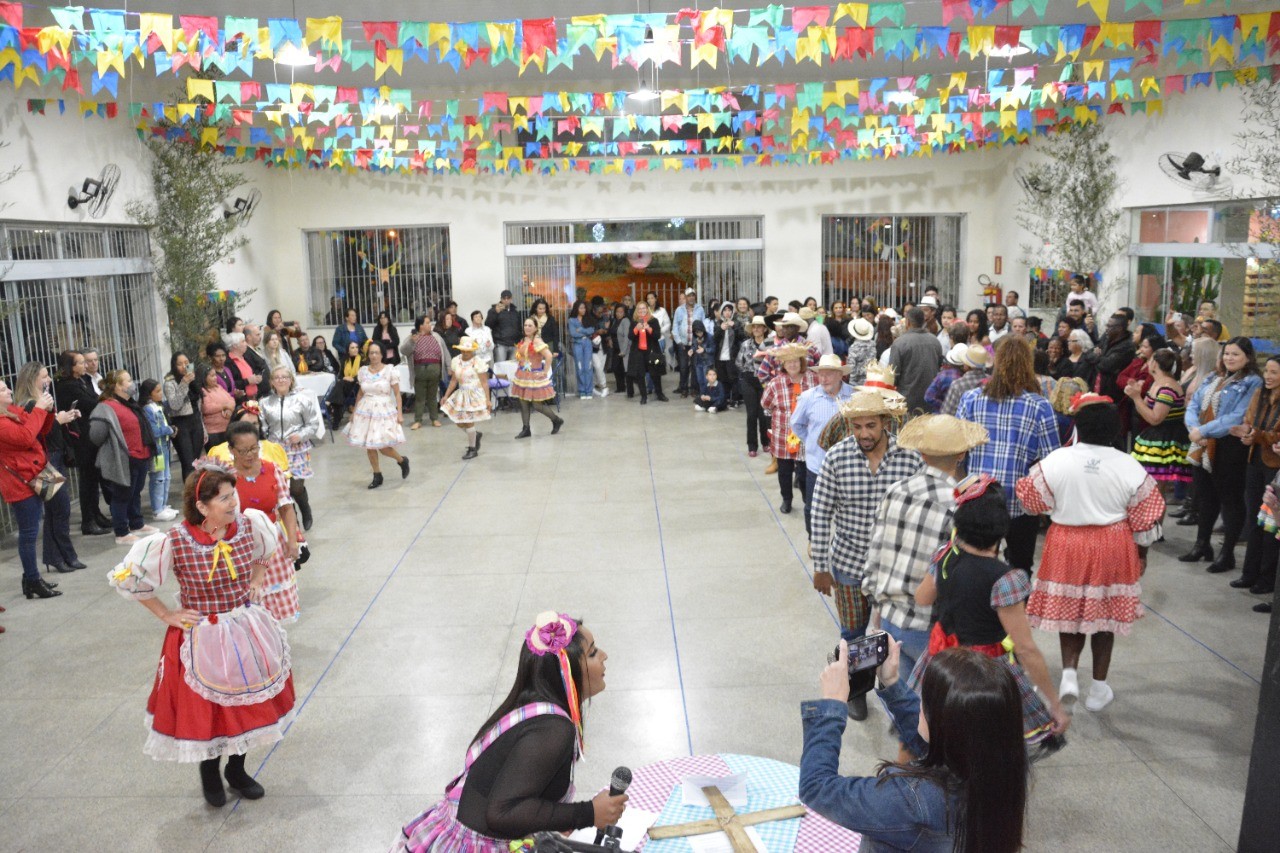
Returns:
point(466, 400)
point(208, 700)
point(377, 422)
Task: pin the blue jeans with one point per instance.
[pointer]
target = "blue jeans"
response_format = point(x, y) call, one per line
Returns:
point(158, 483)
point(701, 364)
point(914, 645)
point(27, 512)
point(582, 366)
point(126, 501)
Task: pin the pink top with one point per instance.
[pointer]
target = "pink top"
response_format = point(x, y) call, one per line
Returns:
point(216, 406)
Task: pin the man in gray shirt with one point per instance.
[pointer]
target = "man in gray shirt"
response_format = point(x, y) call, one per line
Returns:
point(915, 357)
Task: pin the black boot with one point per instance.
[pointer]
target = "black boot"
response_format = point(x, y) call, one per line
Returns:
point(404, 467)
point(1242, 582)
point(91, 528)
point(1202, 550)
point(58, 566)
point(377, 480)
point(240, 781)
point(1191, 519)
point(1226, 562)
point(211, 782)
point(470, 454)
point(785, 509)
point(303, 500)
point(556, 424)
point(38, 589)
point(858, 707)
point(524, 433)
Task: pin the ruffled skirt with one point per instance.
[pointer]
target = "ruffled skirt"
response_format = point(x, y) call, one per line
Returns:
point(374, 425)
point(299, 460)
point(1088, 580)
point(1162, 451)
point(280, 586)
point(465, 406)
point(438, 830)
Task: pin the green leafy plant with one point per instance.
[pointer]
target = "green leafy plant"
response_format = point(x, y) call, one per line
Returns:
point(189, 235)
point(1069, 204)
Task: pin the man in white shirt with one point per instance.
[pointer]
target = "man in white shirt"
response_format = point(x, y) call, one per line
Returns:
point(91, 374)
point(999, 323)
point(817, 333)
point(1011, 304)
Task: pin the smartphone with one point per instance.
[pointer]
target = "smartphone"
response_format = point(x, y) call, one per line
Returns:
point(29, 406)
point(865, 656)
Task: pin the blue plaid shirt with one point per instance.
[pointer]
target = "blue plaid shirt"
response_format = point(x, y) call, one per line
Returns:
point(814, 408)
point(1023, 431)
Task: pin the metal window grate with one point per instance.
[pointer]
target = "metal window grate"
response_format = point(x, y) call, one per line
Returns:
point(728, 275)
point(402, 270)
point(890, 259)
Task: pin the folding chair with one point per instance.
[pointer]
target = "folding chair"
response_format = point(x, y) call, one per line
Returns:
point(320, 385)
point(500, 384)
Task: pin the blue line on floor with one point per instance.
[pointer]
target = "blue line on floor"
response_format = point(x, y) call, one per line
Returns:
point(1193, 638)
point(803, 565)
point(359, 622)
point(666, 579)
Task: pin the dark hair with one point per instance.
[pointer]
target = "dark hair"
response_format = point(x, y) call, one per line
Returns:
point(795, 304)
point(351, 310)
point(983, 521)
point(212, 347)
point(145, 389)
point(1128, 313)
point(173, 362)
point(915, 317)
point(1217, 327)
point(1041, 361)
point(506, 294)
point(474, 313)
point(203, 372)
point(973, 709)
point(1250, 357)
point(202, 485)
point(573, 312)
point(67, 363)
point(240, 428)
point(1011, 292)
point(958, 332)
point(699, 327)
point(538, 680)
point(316, 339)
point(884, 331)
point(533, 309)
point(1079, 302)
point(1078, 278)
point(1033, 323)
point(231, 324)
point(1098, 424)
point(1168, 361)
point(274, 312)
point(378, 322)
point(983, 329)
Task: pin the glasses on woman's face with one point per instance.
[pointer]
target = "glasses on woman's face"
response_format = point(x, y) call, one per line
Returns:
point(250, 452)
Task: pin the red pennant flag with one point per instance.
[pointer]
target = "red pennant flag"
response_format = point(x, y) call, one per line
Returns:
point(1008, 36)
point(953, 44)
point(803, 16)
point(192, 24)
point(387, 32)
point(72, 81)
point(1146, 32)
point(250, 91)
point(952, 8)
point(11, 14)
point(539, 36)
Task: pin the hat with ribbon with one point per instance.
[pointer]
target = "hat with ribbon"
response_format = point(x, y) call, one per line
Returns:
point(880, 380)
point(929, 302)
point(467, 344)
point(832, 362)
point(757, 321)
point(942, 435)
point(861, 329)
point(1086, 398)
point(976, 357)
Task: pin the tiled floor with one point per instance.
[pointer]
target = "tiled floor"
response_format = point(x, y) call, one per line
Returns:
point(653, 525)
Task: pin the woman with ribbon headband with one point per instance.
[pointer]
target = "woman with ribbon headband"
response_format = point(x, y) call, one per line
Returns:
point(224, 684)
point(981, 603)
point(518, 775)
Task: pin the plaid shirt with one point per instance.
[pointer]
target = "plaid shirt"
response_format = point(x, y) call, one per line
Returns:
point(1023, 431)
point(845, 502)
point(913, 522)
point(814, 409)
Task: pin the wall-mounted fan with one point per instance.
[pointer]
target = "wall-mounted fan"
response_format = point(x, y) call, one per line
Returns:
point(96, 192)
point(242, 207)
point(1192, 171)
point(1032, 184)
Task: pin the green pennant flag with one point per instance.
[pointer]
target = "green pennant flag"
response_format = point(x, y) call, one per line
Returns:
point(1018, 7)
point(894, 13)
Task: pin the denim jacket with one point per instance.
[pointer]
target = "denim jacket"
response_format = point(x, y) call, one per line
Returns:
point(580, 331)
point(1232, 405)
point(159, 424)
point(893, 812)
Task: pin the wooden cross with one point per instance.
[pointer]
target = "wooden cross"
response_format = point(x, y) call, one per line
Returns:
point(727, 821)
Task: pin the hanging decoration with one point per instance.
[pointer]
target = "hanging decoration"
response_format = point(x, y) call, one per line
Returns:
point(1076, 73)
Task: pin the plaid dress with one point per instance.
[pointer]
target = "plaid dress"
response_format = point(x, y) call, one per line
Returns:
point(267, 493)
point(779, 399)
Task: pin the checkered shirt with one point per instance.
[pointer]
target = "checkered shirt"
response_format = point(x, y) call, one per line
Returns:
point(769, 366)
point(1023, 430)
point(846, 499)
point(779, 400)
point(959, 387)
point(913, 522)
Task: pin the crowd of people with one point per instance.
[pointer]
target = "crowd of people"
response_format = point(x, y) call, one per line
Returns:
point(929, 451)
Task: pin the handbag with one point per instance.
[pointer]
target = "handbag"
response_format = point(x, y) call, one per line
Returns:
point(45, 484)
point(1202, 454)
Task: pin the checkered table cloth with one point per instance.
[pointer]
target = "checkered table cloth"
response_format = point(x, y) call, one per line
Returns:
point(770, 784)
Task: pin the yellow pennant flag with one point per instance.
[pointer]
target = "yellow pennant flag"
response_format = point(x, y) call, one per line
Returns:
point(395, 62)
point(710, 54)
point(161, 25)
point(112, 58)
point(857, 12)
point(1099, 7)
point(328, 31)
point(199, 88)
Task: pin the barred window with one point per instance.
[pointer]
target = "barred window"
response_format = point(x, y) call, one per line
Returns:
point(890, 259)
point(403, 270)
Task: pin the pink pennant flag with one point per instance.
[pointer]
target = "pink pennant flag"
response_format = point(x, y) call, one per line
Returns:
point(952, 8)
point(387, 32)
point(11, 14)
point(804, 16)
point(192, 24)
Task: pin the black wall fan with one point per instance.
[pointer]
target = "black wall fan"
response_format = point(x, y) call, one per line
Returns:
point(96, 192)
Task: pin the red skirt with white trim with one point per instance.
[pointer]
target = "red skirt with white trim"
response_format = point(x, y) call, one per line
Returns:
point(185, 726)
point(1088, 580)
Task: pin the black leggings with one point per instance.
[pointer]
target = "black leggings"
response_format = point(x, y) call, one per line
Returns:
point(542, 407)
point(1223, 491)
point(1260, 552)
point(791, 473)
point(757, 420)
point(1020, 542)
point(188, 442)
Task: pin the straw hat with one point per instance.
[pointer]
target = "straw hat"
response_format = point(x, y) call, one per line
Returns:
point(467, 344)
point(832, 362)
point(864, 404)
point(757, 321)
point(791, 318)
point(942, 435)
point(790, 352)
point(1088, 398)
point(880, 380)
point(807, 313)
point(956, 355)
point(975, 357)
point(861, 329)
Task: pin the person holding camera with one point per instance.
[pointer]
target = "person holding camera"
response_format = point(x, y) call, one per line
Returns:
point(968, 790)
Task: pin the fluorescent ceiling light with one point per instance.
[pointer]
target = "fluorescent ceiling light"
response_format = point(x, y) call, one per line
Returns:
point(645, 95)
point(291, 54)
point(1009, 52)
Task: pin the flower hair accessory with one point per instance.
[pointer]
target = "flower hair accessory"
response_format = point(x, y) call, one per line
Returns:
point(550, 635)
point(973, 486)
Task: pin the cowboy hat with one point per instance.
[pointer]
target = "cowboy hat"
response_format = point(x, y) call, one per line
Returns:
point(864, 404)
point(807, 313)
point(942, 435)
point(791, 318)
point(832, 362)
point(467, 344)
point(928, 302)
point(975, 357)
point(861, 329)
point(956, 355)
point(757, 321)
point(771, 320)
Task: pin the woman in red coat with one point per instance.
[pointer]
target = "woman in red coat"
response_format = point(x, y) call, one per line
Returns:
point(22, 457)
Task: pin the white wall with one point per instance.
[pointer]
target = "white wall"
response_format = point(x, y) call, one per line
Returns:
point(57, 151)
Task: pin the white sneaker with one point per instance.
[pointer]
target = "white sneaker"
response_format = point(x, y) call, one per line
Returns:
point(1100, 696)
point(167, 514)
point(584, 396)
point(603, 392)
point(698, 409)
point(145, 530)
point(713, 411)
point(1069, 686)
point(127, 539)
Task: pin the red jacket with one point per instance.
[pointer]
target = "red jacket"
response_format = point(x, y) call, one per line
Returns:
point(22, 451)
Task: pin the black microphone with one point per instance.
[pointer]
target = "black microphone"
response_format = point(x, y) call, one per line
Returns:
point(618, 784)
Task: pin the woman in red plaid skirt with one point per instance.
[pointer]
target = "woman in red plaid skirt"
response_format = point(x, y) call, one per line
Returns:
point(224, 683)
point(779, 400)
